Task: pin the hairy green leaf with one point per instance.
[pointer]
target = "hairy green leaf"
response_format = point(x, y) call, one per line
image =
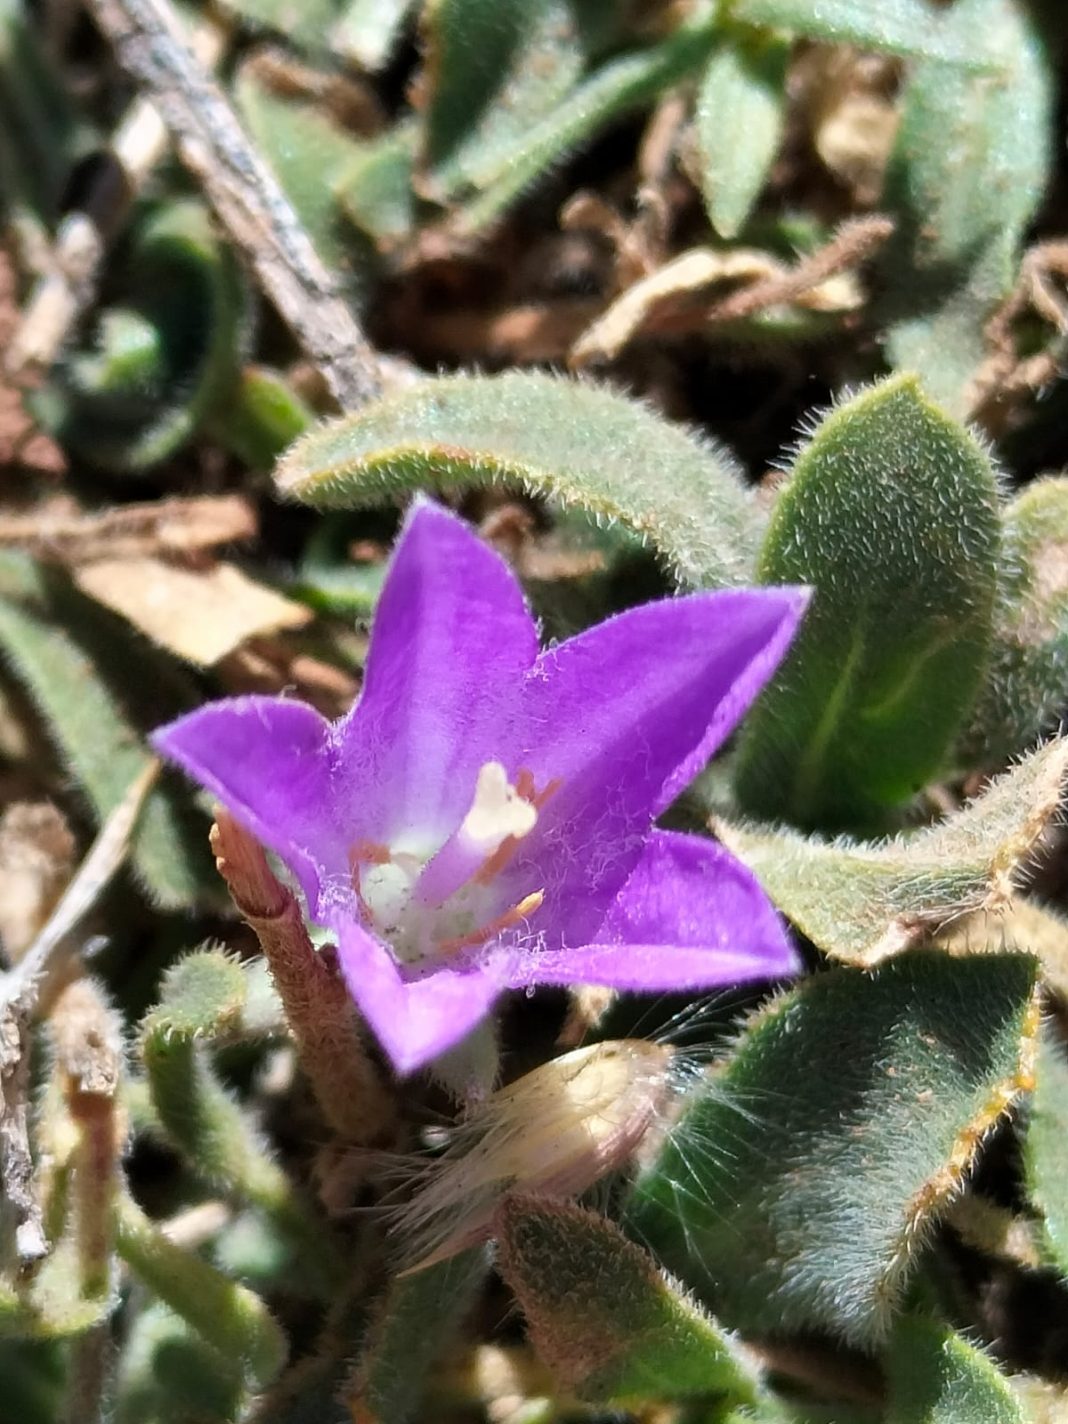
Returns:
point(740, 114)
point(971, 161)
point(163, 356)
point(908, 27)
point(892, 514)
point(936, 1377)
point(604, 1319)
point(1046, 1150)
point(574, 443)
point(232, 1319)
point(618, 86)
point(797, 1190)
point(207, 996)
point(417, 1319)
point(496, 67)
point(861, 902)
point(1026, 688)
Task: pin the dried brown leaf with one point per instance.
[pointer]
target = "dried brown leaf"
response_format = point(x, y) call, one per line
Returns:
point(199, 614)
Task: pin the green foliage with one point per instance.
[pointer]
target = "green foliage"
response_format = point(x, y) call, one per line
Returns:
point(496, 67)
point(43, 635)
point(907, 27)
point(936, 1377)
point(797, 1191)
point(42, 133)
point(739, 122)
point(573, 443)
point(1046, 1150)
point(169, 1374)
point(230, 1318)
point(605, 1320)
point(416, 1320)
point(891, 513)
point(621, 84)
point(970, 165)
point(860, 902)
point(208, 996)
point(308, 151)
point(1026, 686)
point(164, 355)
point(263, 416)
point(375, 189)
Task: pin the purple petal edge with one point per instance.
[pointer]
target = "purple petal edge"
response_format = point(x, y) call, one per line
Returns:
point(690, 916)
point(267, 760)
point(415, 1020)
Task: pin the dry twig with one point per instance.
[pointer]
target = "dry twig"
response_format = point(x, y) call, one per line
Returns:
point(244, 193)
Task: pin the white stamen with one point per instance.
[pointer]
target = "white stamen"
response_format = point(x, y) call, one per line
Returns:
point(498, 811)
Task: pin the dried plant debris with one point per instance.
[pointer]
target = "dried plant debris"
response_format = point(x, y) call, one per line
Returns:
point(533, 689)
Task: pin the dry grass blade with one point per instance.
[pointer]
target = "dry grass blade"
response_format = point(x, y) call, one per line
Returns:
point(165, 526)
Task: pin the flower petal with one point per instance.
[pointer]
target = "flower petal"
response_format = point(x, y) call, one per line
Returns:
point(414, 1020)
point(451, 643)
point(268, 760)
point(689, 917)
point(624, 716)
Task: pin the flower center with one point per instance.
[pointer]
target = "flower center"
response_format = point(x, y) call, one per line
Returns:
point(429, 903)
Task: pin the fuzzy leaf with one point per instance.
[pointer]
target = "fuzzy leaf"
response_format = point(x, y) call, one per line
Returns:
point(496, 67)
point(603, 1318)
point(56, 659)
point(623, 83)
point(860, 902)
point(571, 442)
point(207, 995)
point(1026, 689)
point(232, 1319)
point(164, 354)
point(168, 1373)
point(1046, 1150)
point(908, 27)
point(375, 188)
point(891, 512)
point(971, 161)
point(739, 123)
point(797, 1190)
point(417, 1319)
point(936, 1377)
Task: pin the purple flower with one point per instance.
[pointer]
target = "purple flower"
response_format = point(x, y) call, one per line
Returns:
point(482, 819)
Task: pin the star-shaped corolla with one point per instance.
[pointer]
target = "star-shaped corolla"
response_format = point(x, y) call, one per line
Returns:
point(483, 818)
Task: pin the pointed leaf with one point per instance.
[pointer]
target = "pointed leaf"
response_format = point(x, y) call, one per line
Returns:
point(972, 158)
point(584, 447)
point(1026, 688)
point(891, 512)
point(495, 68)
point(936, 1377)
point(860, 901)
point(740, 115)
point(1046, 1150)
point(604, 1319)
point(798, 1189)
point(417, 1319)
point(623, 83)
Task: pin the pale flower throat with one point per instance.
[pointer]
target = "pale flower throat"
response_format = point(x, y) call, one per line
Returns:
point(427, 902)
